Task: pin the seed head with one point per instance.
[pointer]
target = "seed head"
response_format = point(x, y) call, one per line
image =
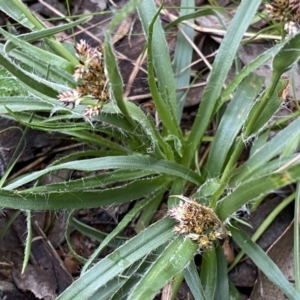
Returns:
point(91, 78)
point(72, 97)
point(287, 11)
point(198, 222)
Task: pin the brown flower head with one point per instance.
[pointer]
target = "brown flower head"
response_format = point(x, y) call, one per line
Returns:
point(90, 111)
point(287, 11)
point(72, 97)
point(92, 81)
point(198, 222)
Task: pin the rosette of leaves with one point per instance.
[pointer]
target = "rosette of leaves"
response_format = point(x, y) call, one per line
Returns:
point(143, 163)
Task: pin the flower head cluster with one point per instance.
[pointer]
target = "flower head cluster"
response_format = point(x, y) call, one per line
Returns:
point(91, 78)
point(198, 222)
point(285, 10)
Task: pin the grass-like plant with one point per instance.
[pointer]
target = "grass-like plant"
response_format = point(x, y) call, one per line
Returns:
point(150, 164)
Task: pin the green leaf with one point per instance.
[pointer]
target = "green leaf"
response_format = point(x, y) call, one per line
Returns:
point(114, 78)
point(272, 166)
point(143, 129)
point(28, 243)
point(36, 35)
point(206, 190)
point(29, 80)
point(35, 66)
point(208, 275)
point(149, 211)
point(264, 263)
point(129, 216)
point(172, 260)
point(68, 238)
point(202, 11)
point(221, 66)
point(17, 104)
point(14, 11)
point(161, 61)
point(164, 105)
point(19, 148)
point(222, 289)
point(19, 12)
point(9, 85)
point(9, 223)
point(287, 55)
point(94, 234)
point(119, 260)
point(263, 186)
point(235, 82)
point(234, 293)
point(111, 147)
point(231, 123)
point(260, 141)
point(122, 293)
point(157, 166)
point(296, 239)
point(117, 287)
point(81, 199)
point(264, 225)
point(155, 143)
point(122, 13)
point(266, 152)
point(193, 281)
point(260, 116)
point(89, 183)
point(183, 55)
point(38, 53)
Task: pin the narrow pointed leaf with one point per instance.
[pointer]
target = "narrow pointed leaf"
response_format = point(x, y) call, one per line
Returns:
point(119, 260)
point(173, 260)
point(264, 263)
